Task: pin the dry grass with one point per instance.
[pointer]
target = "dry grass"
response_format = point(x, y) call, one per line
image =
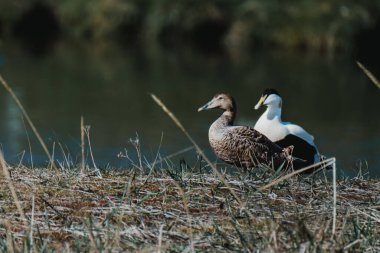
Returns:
point(369, 74)
point(185, 210)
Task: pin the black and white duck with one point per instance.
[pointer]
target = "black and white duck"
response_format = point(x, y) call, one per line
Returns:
point(243, 146)
point(285, 133)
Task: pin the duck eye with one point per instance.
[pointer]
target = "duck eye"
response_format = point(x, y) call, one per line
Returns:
point(220, 98)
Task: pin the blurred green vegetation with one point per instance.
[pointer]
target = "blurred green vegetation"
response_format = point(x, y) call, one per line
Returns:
point(311, 24)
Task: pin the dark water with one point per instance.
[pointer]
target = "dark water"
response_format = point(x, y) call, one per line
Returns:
point(109, 86)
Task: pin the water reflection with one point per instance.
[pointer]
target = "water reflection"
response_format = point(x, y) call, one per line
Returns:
point(331, 98)
point(13, 125)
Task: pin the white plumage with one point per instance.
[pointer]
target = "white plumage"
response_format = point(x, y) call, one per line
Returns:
point(284, 133)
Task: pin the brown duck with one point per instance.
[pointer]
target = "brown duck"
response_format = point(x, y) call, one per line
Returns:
point(242, 146)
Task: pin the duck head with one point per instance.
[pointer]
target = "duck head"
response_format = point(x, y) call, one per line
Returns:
point(222, 101)
point(269, 98)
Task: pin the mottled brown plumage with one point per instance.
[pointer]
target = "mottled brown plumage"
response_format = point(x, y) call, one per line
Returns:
point(241, 145)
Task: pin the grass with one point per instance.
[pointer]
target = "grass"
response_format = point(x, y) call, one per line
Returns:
point(173, 211)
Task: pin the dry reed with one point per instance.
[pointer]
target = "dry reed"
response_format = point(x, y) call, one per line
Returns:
point(369, 74)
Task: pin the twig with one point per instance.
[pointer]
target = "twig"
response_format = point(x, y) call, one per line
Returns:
point(334, 199)
point(82, 167)
point(29, 143)
point(31, 226)
point(369, 74)
point(151, 166)
point(61, 215)
point(366, 214)
point(87, 131)
point(12, 189)
point(160, 238)
point(352, 244)
point(52, 155)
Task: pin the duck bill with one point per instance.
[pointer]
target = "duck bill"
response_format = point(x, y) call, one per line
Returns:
point(205, 107)
point(261, 102)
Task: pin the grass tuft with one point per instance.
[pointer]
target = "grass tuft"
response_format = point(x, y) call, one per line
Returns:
point(131, 210)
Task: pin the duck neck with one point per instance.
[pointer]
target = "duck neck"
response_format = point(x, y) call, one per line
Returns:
point(273, 113)
point(227, 118)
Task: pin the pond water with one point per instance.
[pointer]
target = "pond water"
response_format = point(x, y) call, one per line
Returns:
point(109, 85)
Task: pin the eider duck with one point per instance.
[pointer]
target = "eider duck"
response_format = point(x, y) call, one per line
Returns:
point(242, 146)
point(285, 133)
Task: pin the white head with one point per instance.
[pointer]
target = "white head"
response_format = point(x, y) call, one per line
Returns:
point(270, 98)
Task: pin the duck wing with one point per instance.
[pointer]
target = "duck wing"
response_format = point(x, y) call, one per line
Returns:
point(300, 132)
point(249, 148)
point(249, 138)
